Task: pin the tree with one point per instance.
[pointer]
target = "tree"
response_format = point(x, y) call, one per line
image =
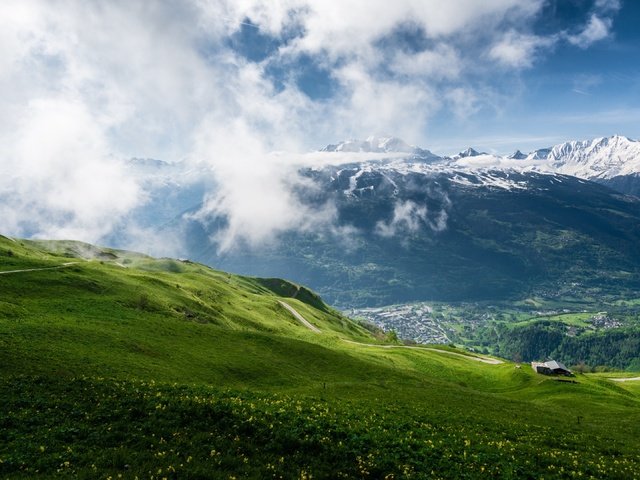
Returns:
point(517, 358)
point(392, 336)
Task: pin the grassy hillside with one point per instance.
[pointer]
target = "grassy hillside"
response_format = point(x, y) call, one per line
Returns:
point(114, 363)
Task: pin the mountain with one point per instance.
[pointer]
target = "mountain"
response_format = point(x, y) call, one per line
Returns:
point(382, 145)
point(517, 155)
point(613, 161)
point(372, 145)
point(600, 159)
point(148, 313)
point(116, 364)
point(624, 183)
point(407, 230)
point(406, 224)
point(469, 152)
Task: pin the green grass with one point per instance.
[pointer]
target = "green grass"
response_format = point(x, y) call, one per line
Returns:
point(92, 428)
point(168, 369)
point(575, 319)
point(572, 319)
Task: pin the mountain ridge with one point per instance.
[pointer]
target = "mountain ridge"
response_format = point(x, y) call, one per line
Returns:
point(599, 159)
point(423, 232)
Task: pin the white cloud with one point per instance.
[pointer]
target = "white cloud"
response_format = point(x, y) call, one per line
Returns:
point(442, 62)
point(464, 102)
point(597, 29)
point(255, 189)
point(349, 28)
point(376, 105)
point(83, 85)
point(86, 84)
point(409, 217)
point(608, 6)
point(57, 179)
point(519, 50)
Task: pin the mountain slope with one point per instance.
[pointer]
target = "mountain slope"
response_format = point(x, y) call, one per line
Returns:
point(429, 232)
point(86, 296)
point(613, 161)
point(597, 159)
point(116, 364)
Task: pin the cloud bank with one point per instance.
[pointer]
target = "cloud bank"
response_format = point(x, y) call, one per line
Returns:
point(223, 83)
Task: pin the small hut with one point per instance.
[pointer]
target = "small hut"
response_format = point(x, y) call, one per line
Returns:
point(551, 367)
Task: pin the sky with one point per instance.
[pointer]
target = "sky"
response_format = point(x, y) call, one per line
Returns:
point(86, 85)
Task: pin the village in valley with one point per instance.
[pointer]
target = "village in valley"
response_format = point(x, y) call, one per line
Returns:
point(467, 324)
point(412, 321)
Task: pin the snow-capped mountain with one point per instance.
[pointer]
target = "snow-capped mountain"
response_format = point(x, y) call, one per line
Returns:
point(388, 222)
point(372, 145)
point(469, 152)
point(403, 230)
point(600, 158)
point(375, 144)
point(613, 161)
point(517, 155)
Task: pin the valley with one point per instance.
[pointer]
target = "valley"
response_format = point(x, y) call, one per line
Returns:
point(512, 330)
point(472, 249)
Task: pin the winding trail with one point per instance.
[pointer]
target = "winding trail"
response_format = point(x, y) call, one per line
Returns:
point(491, 361)
point(6, 272)
point(299, 317)
point(632, 379)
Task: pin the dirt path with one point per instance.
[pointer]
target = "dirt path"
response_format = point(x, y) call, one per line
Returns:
point(492, 361)
point(633, 379)
point(299, 317)
point(39, 269)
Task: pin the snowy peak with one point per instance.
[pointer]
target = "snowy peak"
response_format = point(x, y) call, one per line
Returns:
point(390, 144)
point(600, 158)
point(517, 155)
point(372, 145)
point(540, 154)
point(469, 152)
point(375, 144)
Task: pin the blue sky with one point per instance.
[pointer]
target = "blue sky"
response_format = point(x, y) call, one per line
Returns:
point(568, 93)
point(86, 85)
point(578, 76)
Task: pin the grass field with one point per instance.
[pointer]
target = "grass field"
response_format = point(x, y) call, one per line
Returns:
point(124, 366)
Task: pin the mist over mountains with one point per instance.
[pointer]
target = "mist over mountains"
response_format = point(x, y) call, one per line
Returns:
point(379, 221)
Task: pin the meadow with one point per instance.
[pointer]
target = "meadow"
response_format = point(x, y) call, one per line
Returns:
point(124, 366)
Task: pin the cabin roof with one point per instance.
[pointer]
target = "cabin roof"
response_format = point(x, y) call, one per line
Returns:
point(553, 365)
